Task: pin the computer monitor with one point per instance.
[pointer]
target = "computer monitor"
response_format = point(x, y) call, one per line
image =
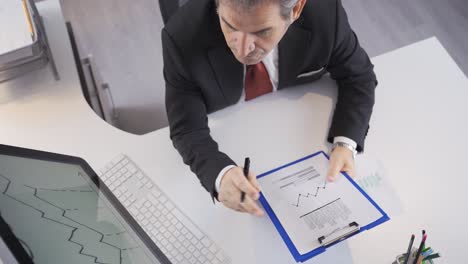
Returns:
point(60, 212)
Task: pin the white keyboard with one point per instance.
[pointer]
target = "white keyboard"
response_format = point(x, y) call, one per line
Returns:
point(172, 231)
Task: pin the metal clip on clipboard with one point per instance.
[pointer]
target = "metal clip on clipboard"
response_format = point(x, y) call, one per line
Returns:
point(339, 234)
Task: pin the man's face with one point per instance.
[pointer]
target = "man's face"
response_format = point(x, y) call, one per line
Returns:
point(252, 34)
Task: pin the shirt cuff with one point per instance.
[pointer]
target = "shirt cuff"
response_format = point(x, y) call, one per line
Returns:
point(221, 175)
point(346, 140)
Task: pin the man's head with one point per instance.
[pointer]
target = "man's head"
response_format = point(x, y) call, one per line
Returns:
point(252, 28)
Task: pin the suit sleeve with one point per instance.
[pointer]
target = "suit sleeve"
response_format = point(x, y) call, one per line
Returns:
point(350, 66)
point(188, 121)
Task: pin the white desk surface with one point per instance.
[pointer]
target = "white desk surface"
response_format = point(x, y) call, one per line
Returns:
point(417, 130)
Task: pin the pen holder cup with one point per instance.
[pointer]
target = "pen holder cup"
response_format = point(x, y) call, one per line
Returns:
point(400, 259)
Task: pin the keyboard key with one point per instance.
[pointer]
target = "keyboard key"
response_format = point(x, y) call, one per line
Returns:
point(181, 239)
point(186, 243)
point(162, 199)
point(140, 217)
point(177, 244)
point(191, 248)
point(133, 211)
point(202, 259)
point(199, 246)
point(187, 223)
point(169, 205)
point(156, 192)
point(183, 249)
point(144, 181)
point(174, 252)
point(206, 242)
point(169, 246)
point(131, 168)
point(213, 248)
point(139, 175)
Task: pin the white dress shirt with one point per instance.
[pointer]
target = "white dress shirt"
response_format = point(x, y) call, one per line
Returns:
point(271, 65)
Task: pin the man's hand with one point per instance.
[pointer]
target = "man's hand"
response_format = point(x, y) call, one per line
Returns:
point(233, 184)
point(341, 159)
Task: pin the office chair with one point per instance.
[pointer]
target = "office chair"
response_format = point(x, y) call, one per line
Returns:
point(169, 7)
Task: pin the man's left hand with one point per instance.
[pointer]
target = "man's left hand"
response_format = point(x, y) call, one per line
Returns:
point(341, 159)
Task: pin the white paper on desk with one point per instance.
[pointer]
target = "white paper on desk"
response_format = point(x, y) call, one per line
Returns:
point(308, 207)
point(371, 176)
point(14, 28)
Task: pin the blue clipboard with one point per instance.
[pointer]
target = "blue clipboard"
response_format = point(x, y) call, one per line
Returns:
point(301, 258)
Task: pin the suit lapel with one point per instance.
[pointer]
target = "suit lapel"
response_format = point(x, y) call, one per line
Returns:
point(228, 72)
point(292, 48)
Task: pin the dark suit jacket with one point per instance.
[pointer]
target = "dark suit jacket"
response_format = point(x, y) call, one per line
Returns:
point(203, 76)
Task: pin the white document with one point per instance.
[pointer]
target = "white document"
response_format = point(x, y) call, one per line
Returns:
point(309, 207)
point(15, 32)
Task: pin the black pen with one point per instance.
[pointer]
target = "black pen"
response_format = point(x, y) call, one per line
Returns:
point(246, 174)
point(408, 252)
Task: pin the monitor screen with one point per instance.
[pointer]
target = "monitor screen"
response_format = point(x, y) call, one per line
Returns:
point(60, 215)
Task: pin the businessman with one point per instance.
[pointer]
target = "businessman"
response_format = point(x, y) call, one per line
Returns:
point(220, 52)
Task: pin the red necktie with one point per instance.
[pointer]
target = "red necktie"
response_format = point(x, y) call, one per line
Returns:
point(257, 81)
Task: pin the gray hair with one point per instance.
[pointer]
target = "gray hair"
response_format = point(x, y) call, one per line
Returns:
point(286, 6)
